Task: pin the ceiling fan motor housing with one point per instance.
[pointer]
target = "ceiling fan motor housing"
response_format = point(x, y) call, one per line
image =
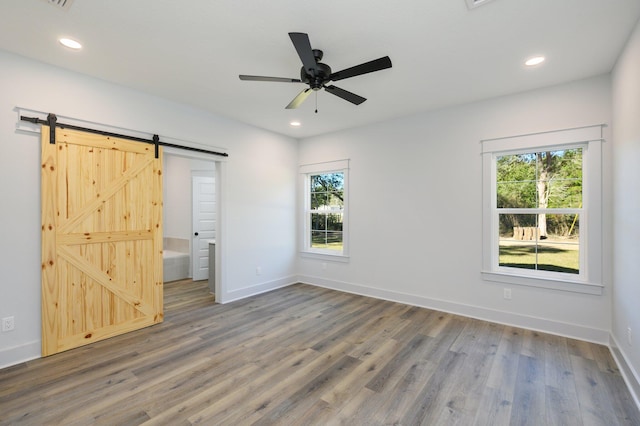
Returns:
point(316, 79)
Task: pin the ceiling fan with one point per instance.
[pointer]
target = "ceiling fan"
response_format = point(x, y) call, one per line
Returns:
point(316, 74)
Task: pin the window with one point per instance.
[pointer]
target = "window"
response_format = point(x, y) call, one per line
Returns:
point(542, 220)
point(325, 208)
point(539, 203)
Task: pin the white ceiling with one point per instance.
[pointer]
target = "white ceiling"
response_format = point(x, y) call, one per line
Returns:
point(443, 53)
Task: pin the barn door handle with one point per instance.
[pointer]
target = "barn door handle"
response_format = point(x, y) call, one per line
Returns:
point(196, 234)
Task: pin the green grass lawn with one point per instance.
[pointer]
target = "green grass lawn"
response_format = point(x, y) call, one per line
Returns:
point(330, 246)
point(321, 242)
point(557, 258)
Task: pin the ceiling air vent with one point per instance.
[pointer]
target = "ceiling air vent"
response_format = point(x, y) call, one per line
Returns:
point(472, 4)
point(62, 4)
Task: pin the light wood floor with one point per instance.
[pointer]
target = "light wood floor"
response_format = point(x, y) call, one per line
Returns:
point(306, 355)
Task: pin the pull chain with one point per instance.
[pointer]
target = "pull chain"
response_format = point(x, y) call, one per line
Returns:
point(316, 102)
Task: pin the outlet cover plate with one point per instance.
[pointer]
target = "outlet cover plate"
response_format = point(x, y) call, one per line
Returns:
point(8, 324)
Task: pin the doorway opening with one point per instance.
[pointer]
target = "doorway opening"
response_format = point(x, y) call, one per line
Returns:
point(191, 219)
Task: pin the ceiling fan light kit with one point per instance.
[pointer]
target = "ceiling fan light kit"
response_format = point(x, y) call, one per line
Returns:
point(316, 75)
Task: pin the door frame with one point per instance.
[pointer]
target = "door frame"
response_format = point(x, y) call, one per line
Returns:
point(221, 216)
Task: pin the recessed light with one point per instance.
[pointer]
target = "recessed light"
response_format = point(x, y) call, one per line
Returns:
point(295, 124)
point(70, 43)
point(536, 60)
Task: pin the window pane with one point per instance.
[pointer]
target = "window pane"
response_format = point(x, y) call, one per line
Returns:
point(334, 240)
point(565, 179)
point(327, 191)
point(318, 239)
point(542, 242)
point(558, 257)
point(318, 222)
point(319, 201)
point(336, 200)
point(517, 254)
point(516, 178)
point(517, 194)
point(547, 179)
point(327, 240)
point(515, 226)
point(327, 182)
point(334, 222)
point(327, 201)
point(563, 227)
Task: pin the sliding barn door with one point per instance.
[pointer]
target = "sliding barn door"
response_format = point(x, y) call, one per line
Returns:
point(101, 238)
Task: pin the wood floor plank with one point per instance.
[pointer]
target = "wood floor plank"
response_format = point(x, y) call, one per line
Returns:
point(494, 408)
point(622, 402)
point(357, 411)
point(362, 374)
point(404, 393)
point(295, 373)
point(204, 397)
point(226, 408)
point(505, 368)
point(560, 392)
point(118, 400)
point(314, 356)
point(434, 395)
point(392, 371)
point(529, 394)
point(596, 405)
point(562, 408)
point(294, 408)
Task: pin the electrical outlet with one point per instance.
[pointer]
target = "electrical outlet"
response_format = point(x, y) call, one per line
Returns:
point(8, 323)
point(324, 266)
point(507, 293)
point(629, 335)
point(258, 270)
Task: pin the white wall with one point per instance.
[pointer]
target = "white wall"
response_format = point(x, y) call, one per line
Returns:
point(259, 185)
point(415, 215)
point(626, 207)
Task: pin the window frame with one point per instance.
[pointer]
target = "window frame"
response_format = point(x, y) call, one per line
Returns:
point(589, 278)
point(306, 171)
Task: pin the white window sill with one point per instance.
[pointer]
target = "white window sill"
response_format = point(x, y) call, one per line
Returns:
point(550, 283)
point(329, 257)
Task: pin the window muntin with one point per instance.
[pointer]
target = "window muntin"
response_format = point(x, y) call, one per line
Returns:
point(538, 203)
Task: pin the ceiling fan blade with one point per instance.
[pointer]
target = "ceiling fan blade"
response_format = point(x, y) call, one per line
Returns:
point(298, 100)
point(303, 47)
point(344, 94)
point(367, 67)
point(276, 79)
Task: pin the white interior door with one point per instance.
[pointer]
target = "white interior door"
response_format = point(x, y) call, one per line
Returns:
point(204, 224)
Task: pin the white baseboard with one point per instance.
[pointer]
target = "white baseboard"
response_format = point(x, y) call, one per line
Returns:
point(242, 293)
point(508, 318)
point(22, 353)
point(629, 374)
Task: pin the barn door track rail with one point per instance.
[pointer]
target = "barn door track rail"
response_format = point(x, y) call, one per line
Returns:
point(52, 122)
